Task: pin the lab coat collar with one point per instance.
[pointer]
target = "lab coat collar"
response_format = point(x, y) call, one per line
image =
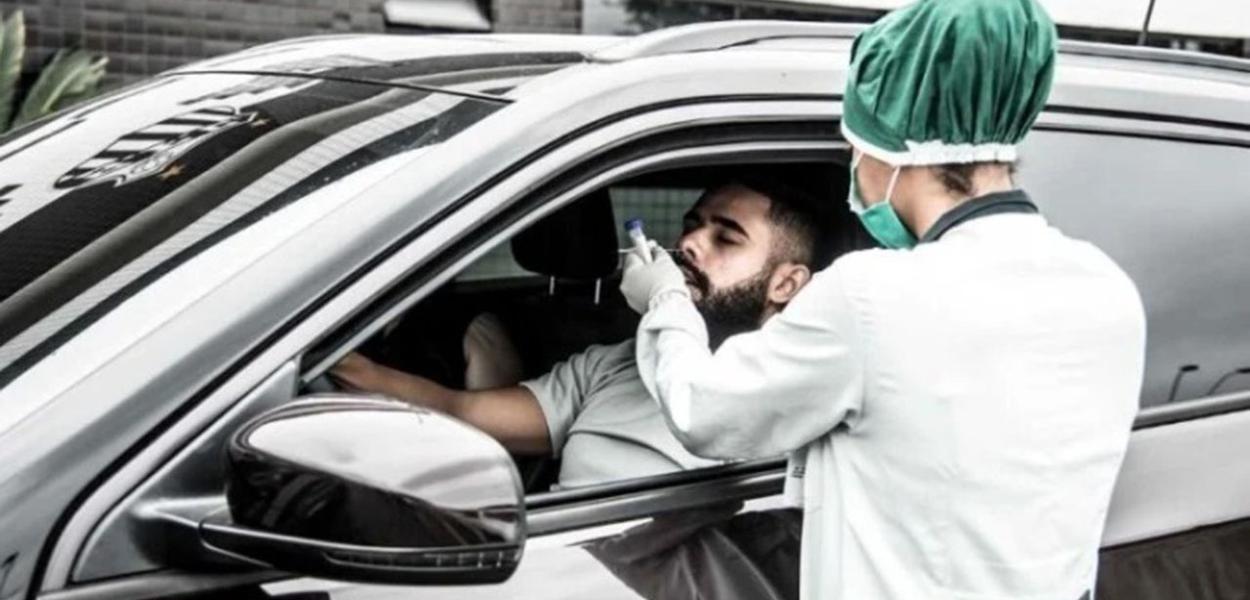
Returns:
point(1011, 201)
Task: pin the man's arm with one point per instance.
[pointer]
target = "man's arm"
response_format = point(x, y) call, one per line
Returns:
point(511, 415)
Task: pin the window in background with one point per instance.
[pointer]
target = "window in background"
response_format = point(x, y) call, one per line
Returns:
point(661, 210)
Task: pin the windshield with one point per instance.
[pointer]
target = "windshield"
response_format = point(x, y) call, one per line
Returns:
point(97, 203)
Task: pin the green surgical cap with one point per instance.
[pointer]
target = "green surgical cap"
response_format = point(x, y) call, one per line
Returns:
point(949, 81)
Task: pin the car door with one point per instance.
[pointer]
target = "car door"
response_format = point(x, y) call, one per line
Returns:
point(114, 530)
point(1166, 196)
point(1178, 525)
point(718, 532)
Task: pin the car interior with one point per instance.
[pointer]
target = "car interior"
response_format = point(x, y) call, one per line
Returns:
point(554, 286)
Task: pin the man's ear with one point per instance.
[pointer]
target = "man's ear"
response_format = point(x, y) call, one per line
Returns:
point(787, 280)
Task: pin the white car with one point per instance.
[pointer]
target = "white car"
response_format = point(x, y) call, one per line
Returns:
point(188, 253)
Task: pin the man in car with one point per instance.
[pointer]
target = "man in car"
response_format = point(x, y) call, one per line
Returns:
point(748, 246)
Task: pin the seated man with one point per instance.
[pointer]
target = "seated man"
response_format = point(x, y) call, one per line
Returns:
point(748, 245)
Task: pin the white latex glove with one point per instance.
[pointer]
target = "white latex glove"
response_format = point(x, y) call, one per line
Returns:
point(643, 280)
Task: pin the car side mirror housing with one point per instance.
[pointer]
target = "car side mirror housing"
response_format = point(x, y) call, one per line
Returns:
point(373, 490)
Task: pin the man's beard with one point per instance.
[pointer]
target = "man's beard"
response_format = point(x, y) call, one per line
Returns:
point(732, 310)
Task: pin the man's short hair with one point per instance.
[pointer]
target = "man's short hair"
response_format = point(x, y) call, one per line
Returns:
point(808, 203)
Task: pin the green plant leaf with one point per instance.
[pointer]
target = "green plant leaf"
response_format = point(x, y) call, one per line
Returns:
point(86, 82)
point(12, 49)
point(70, 76)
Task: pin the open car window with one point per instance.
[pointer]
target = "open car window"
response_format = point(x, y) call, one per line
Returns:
point(540, 312)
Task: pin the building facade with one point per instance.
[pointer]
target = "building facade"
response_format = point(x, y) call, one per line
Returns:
point(145, 37)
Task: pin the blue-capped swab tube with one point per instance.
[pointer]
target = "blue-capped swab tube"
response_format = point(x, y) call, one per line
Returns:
point(633, 227)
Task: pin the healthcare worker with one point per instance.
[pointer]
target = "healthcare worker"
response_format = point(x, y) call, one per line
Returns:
point(956, 405)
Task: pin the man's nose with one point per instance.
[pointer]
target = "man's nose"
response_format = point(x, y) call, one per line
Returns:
point(689, 248)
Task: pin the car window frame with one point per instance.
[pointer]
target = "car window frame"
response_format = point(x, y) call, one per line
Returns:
point(560, 511)
point(400, 298)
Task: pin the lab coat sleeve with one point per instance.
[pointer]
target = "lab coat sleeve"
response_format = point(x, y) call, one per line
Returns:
point(762, 393)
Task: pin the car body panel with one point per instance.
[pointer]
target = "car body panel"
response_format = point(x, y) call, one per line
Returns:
point(1202, 462)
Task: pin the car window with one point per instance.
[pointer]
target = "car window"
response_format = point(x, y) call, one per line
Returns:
point(660, 208)
point(542, 310)
point(1174, 215)
point(98, 202)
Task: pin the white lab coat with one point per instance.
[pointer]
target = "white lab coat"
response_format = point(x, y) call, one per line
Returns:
point(962, 407)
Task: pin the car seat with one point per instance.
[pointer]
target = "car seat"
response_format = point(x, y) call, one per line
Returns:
point(576, 247)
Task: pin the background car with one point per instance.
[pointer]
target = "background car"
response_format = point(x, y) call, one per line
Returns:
point(188, 253)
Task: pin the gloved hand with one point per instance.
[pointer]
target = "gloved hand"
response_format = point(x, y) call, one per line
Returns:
point(643, 280)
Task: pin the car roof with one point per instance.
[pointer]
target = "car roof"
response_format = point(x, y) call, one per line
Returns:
point(449, 62)
point(452, 59)
point(284, 56)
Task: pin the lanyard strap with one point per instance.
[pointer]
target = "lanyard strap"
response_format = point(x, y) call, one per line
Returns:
point(1013, 201)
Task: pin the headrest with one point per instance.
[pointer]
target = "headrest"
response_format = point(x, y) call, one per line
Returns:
point(576, 242)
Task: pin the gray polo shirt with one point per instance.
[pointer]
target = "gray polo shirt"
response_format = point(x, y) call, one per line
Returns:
point(603, 424)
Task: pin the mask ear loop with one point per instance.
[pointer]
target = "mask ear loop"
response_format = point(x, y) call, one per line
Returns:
point(853, 199)
point(889, 193)
point(889, 189)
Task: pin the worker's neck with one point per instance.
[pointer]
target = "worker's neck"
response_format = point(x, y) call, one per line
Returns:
point(925, 199)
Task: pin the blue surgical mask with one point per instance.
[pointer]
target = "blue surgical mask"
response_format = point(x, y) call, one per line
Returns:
point(880, 219)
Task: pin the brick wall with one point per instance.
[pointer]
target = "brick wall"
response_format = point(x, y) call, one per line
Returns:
point(144, 37)
point(532, 16)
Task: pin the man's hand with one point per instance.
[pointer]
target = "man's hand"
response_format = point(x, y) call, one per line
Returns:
point(645, 279)
point(359, 374)
point(356, 372)
point(511, 415)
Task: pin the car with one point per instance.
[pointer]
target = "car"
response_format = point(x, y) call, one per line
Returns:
point(182, 260)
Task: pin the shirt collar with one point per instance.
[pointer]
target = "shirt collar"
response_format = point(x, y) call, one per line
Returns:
point(1011, 201)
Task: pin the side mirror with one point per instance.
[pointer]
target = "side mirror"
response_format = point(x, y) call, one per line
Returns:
point(373, 490)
